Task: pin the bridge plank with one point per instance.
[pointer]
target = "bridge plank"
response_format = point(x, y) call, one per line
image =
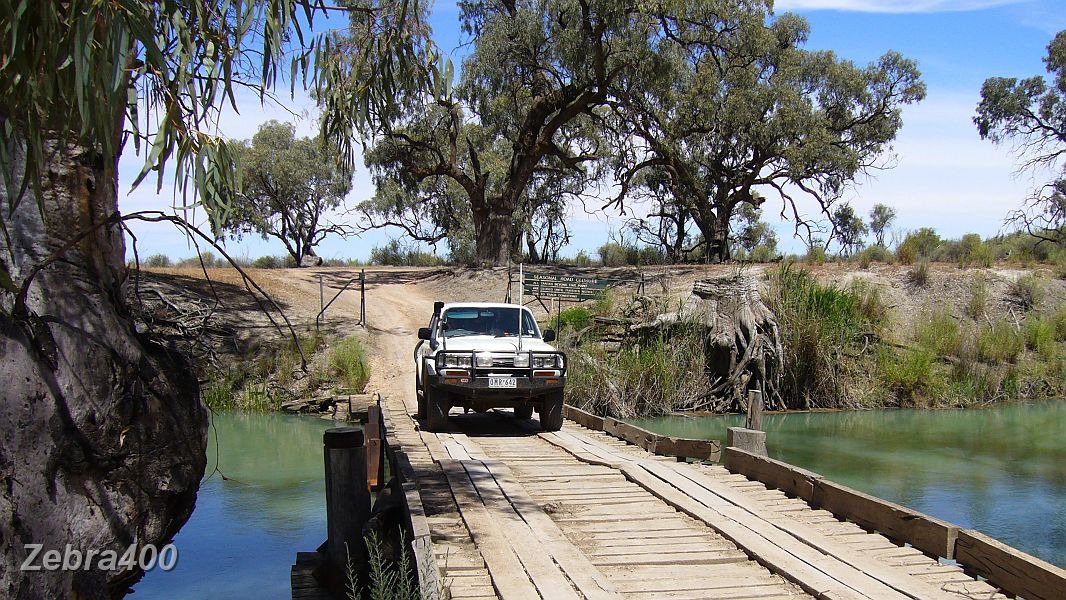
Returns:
point(589, 580)
point(797, 562)
point(508, 575)
point(736, 505)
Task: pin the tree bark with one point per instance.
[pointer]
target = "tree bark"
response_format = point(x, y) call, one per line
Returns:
point(105, 435)
point(493, 234)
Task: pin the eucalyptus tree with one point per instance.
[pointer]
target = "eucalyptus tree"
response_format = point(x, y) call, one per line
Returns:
point(753, 235)
point(1031, 114)
point(848, 229)
point(105, 435)
point(711, 125)
point(289, 187)
point(881, 218)
point(530, 104)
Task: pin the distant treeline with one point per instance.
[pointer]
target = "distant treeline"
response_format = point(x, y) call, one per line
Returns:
point(915, 248)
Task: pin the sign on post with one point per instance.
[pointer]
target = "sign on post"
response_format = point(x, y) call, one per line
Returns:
point(569, 288)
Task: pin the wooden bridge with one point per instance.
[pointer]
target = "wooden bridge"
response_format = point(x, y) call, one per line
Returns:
point(602, 509)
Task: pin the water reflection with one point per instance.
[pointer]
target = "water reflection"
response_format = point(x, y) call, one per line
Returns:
point(264, 504)
point(1000, 470)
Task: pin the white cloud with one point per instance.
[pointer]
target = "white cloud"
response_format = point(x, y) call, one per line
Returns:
point(891, 6)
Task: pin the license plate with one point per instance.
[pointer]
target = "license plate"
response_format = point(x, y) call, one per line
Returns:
point(503, 382)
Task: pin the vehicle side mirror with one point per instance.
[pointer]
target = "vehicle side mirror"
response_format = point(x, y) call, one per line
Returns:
point(549, 335)
point(424, 333)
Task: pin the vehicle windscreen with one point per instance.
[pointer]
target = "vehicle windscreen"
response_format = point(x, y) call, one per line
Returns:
point(498, 322)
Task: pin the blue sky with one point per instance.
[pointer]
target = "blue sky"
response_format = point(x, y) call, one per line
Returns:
point(944, 177)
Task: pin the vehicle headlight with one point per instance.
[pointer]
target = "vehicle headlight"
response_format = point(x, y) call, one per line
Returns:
point(454, 361)
point(521, 360)
point(550, 361)
point(484, 359)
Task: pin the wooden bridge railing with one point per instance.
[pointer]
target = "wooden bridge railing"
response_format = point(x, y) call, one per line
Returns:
point(1011, 570)
point(663, 445)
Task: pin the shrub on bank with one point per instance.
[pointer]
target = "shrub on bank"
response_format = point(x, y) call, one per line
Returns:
point(820, 325)
point(275, 373)
point(347, 364)
point(1028, 290)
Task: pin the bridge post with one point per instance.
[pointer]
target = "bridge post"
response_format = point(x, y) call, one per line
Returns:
point(748, 440)
point(754, 419)
point(347, 495)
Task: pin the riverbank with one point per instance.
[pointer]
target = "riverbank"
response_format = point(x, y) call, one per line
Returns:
point(930, 336)
point(261, 346)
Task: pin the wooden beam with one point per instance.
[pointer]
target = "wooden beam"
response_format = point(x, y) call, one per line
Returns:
point(791, 480)
point(1012, 570)
point(930, 535)
point(582, 418)
point(648, 440)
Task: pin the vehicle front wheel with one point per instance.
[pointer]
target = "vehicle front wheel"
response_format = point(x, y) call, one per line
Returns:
point(551, 416)
point(436, 405)
point(523, 411)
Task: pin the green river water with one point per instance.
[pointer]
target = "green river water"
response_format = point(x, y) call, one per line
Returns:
point(1000, 470)
point(248, 526)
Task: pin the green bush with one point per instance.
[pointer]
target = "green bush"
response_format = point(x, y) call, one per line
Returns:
point(157, 261)
point(394, 254)
point(999, 343)
point(612, 254)
point(1040, 336)
point(582, 259)
point(343, 262)
point(871, 306)
point(576, 318)
point(820, 325)
point(977, 305)
point(347, 364)
point(816, 254)
point(872, 254)
point(918, 245)
point(269, 262)
point(1028, 290)
point(909, 374)
point(938, 331)
point(1058, 319)
point(763, 253)
point(208, 259)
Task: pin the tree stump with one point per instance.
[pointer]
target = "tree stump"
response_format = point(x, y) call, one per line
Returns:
point(743, 343)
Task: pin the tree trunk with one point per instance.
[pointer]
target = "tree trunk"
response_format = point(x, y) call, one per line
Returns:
point(718, 242)
point(105, 435)
point(493, 234)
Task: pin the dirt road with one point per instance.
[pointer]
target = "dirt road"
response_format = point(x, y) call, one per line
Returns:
point(396, 307)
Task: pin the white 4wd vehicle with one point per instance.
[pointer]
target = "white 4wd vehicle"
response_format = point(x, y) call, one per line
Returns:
point(487, 355)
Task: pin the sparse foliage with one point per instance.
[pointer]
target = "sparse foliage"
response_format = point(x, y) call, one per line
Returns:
point(881, 218)
point(849, 229)
point(1031, 114)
